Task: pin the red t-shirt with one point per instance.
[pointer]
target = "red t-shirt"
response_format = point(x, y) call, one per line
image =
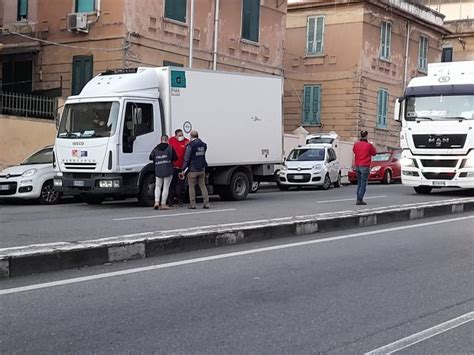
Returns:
point(180, 149)
point(363, 152)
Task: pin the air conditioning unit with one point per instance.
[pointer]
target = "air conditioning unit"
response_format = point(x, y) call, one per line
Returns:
point(77, 22)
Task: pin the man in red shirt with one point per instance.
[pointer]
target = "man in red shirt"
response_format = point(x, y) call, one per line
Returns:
point(179, 143)
point(363, 153)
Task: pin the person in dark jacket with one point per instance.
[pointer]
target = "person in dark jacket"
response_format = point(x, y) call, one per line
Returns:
point(163, 157)
point(195, 165)
point(363, 153)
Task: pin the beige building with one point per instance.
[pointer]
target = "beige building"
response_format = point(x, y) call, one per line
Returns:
point(346, 61)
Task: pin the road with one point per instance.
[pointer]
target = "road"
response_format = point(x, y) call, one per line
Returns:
point(407, 286)
point(35, 224)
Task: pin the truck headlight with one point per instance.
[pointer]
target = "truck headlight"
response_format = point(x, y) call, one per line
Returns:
point(408, 163)
point(469, 163)
point(29, 172)
point(375, 169)
point(108, 184)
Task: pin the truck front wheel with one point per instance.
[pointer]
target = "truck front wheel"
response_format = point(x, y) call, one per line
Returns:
point(423, 190)
point(146, 195)
point(238, 189)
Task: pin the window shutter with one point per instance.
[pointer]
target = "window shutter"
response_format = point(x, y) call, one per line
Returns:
point(22, 9)
point(82, 72)
point(176, 10)
point(85, 5)
point(382, 40)
point(310, 35)
point(389, 39)
point(319, 34)
point(307, 105)
point(315, 113)
point(385, 108)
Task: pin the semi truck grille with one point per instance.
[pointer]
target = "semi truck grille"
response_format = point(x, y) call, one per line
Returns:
point(298, 177)
point(439, 176)
point(8, 188)
point(441, 141)
point(428, 163)
point(80, 166)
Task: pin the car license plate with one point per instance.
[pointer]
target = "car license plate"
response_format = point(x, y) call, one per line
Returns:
point(298, 177)
point(4, 187)
point(439, 183)
point(78, 183)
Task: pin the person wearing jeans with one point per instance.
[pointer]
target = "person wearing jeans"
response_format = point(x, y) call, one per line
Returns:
point(195, 164)
point(163, 156)
point(363, 153)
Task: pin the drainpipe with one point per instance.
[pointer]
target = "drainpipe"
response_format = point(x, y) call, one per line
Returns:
point(407, 51)
point(216, 31)
point(98, 13)
point(191, 35)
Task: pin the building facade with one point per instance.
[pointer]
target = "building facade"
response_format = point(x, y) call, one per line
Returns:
point(346, 61)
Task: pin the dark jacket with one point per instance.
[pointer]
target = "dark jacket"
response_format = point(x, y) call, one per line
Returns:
point(195, 156)
point(163, 157)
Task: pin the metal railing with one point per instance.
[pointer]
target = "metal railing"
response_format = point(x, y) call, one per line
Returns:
point(17, 104)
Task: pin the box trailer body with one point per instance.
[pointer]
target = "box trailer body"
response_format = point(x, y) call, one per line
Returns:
point(107, 132)
point(437, 135)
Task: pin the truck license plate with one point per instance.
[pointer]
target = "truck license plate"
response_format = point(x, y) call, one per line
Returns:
point(4, 187)
point(78, 183)
point(298, 177)
point(439, 183)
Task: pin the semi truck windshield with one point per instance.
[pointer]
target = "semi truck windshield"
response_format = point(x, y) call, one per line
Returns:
point(440, 107)
point(89, 120)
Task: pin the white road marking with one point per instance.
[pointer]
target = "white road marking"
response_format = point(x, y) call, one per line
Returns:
point(173, 215)
point(351, 199)
point(221, 256)
point(423, 335)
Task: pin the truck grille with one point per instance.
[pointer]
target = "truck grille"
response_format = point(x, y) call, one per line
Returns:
point(429, 163)
point(8, 188)
point(80, 166)
point(294, 177)
point(439, 176)
point(441, 141)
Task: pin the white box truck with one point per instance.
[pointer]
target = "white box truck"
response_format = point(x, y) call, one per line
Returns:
point(437, 135)
point(107, 132)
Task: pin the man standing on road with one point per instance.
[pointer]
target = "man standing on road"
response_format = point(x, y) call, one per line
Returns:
point(363, 153)
point(179, 143)
point(163, 157)
point(195, 164)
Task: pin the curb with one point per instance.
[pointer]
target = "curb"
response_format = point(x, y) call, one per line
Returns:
point(26, 260)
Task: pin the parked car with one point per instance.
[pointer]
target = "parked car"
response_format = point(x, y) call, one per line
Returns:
point(385, 168)
point(311, 165)
point(32, 179)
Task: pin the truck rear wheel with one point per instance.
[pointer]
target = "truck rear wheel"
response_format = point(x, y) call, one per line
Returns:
point(146, 195)
point(423, 190)
point(238, 189)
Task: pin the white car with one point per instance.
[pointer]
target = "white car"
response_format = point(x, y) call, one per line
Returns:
point(311, 165)
point(32, 179)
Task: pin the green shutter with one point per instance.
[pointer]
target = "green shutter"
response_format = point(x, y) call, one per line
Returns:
point(311, 105)
point(22, 10)
point(85, 5)
point(382, 108)
point(310, 35)
point(385, 40)
point(319, 34)
point(251, 20)
point(176, 10)
point(82, 72)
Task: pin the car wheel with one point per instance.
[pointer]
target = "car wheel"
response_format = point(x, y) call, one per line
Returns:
point(255, 187)
point(327, 182)
point(49, 195)
point(338, 182)
point(146, 196)
point(423, 190)
point(387, 177)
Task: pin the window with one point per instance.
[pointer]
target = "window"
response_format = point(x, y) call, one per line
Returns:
point(143, 126)
point(176, 10)
point(447, 55)
point(312, 96)
point(423, 54)
point(167, 63)
point(22, 13)
point(81, 73)
point(85, 5)
point(315, 35)
point(385, 40)
point(250, 20)
point(382, 108)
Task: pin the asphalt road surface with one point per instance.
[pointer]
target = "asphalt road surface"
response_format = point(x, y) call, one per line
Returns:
point(36, 224)
point(405, 287)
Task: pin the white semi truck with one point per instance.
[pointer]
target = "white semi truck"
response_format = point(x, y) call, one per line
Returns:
point(437, 135)
point(107, 132)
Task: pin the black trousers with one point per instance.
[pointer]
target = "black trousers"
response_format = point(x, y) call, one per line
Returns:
point(177, 188)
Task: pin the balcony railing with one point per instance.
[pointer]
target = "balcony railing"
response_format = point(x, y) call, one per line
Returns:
point(17, 104)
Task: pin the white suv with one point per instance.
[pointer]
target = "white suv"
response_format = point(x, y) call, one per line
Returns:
point(311, 165)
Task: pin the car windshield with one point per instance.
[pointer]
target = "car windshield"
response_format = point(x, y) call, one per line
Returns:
point(89, 120)
point(382, 157)
point(440, 107)
point(307, 154)
point(44, 156)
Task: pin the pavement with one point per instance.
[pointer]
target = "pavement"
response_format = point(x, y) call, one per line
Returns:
point(406, 284)
point(70, 222)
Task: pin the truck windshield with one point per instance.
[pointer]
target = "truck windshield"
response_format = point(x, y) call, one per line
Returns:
point(89, 120)
point(307, 154)
point(440, 107)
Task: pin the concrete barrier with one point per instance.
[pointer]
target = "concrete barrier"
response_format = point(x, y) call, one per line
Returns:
point(40, 258)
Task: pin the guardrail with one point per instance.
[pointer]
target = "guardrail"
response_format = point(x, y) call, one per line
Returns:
point(18, 104)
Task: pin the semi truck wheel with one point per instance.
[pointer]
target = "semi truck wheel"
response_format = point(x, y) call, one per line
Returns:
point(238, 189)
point(423, 190)
point(146, 196)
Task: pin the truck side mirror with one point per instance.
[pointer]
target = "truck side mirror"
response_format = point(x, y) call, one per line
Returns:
point(397, 111)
